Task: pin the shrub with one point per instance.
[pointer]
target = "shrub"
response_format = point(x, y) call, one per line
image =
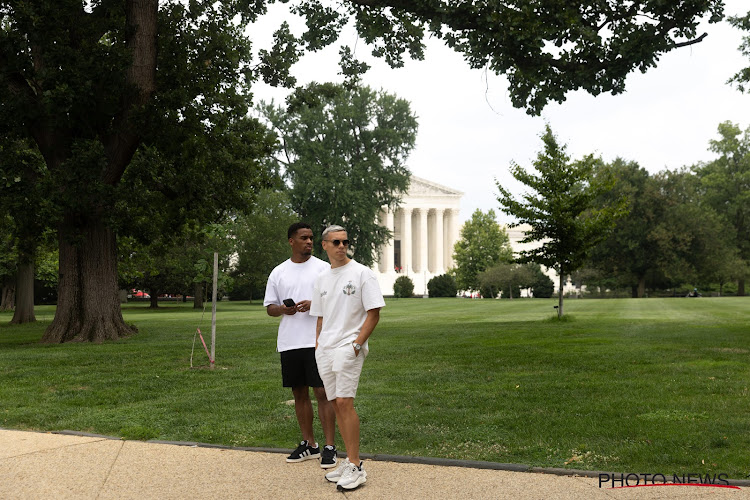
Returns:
point(543, 287)
point(403, 287)
point(442, 286)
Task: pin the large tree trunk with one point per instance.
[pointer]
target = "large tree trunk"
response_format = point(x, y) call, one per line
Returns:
point(24, 312)
point(741, 287)
point(8, 295)
point(198, 296)
point(88, 304)
point(560, 297)
point(154, 294)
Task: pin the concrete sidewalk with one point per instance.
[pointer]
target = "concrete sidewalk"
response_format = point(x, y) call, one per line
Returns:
point(50, 466)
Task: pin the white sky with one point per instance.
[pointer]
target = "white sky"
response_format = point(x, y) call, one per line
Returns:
point(469, 133)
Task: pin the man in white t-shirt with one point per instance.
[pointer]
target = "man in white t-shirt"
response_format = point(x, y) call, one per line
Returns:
point(347, 301)
point(292, 281)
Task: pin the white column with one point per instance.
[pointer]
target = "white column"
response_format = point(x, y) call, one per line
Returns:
point(447, 250)
point(455, 232)
point(388, 247)
point(423, 241)
point(439, 242)
point(406, 264)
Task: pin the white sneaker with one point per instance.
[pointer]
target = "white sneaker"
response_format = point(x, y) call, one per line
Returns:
point(335, 474)
point(351, 477)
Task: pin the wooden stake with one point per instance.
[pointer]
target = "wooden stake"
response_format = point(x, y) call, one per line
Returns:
point(213, 311)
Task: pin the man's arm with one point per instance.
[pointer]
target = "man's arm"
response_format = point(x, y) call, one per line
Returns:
point(277, 310)
point(373, 316)
point(318, 327)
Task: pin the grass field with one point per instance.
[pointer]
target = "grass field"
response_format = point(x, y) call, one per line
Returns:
point(627, 385)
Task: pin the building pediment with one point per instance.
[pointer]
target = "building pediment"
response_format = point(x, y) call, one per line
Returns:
point(422, 187)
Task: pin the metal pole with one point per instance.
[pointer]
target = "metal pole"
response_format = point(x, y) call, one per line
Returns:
point(213, 311)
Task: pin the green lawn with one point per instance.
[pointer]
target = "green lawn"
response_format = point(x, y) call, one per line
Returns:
point(649, 385)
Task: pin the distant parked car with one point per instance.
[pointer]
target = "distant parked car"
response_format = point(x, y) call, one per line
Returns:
point(138, 294)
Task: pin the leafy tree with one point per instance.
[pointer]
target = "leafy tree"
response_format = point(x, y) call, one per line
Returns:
point(403, 287)
point(442, 286)
point(561, 213)
point(694, 243)
point(262, 244)
point(482, 244)
point(22, 172)
point(88, 82)
point(545, 47)
point(742, 77)
point(7, 264)
point(344, 150)
point(630, 252)
point(725, 183)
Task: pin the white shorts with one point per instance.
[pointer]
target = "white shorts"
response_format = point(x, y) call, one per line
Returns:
point(340, 369)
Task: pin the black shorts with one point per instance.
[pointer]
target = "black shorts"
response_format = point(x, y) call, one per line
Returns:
point(298, 368)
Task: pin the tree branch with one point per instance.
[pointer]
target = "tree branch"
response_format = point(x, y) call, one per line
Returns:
point(690, 42)
point(141, 76)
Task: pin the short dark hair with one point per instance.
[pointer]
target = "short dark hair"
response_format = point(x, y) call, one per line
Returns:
point(296, 227)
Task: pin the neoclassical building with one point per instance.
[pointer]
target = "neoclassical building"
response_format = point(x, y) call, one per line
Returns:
point(425, 227)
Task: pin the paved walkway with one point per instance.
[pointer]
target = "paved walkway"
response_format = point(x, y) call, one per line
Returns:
point(51, 466)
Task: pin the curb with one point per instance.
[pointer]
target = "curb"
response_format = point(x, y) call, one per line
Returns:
point(443, 462)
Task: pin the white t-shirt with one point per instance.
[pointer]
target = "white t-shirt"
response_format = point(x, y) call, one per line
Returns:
point(291, 280)
point(342, 296)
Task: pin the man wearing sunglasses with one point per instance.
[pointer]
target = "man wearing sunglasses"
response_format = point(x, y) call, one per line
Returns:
point(292, 282)
point(347, 301)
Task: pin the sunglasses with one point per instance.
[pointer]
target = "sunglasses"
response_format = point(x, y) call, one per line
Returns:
point(337, 242)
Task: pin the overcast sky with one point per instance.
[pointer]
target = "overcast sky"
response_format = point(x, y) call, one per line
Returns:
point(469, 133)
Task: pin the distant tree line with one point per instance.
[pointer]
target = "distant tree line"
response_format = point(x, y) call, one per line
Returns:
point(615, 227)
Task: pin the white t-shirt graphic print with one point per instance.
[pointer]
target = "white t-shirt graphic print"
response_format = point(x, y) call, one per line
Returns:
point(291, 280)
point(342, 296)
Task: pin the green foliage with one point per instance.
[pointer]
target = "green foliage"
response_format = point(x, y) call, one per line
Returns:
point(344, 150)
point(541, 285)
point(562, 211)
point(546, 48)
point(483, 243)
point(442, 286)
point(174, 261)
point(669, 235)
point(506, 278)
point(262, 243)
point(725, 187)
point(742, 78)
point(630, 252)
point(403, 287)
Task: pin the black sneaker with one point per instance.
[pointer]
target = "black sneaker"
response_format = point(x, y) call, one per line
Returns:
point(328, 459)
point(304, 452)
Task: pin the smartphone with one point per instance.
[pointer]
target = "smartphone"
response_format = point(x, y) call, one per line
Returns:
point(289, 303)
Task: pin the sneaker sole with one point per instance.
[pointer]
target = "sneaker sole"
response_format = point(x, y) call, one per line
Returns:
point(302, 459)
point(336, 480)
point(328, 466)
point(362, 480)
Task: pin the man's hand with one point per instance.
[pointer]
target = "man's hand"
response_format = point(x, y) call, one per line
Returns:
point(303, 306)
point(288, 310)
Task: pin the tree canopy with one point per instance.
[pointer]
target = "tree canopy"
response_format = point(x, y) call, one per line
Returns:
point(725, 185)
point(482, 244)
point(344, 151)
